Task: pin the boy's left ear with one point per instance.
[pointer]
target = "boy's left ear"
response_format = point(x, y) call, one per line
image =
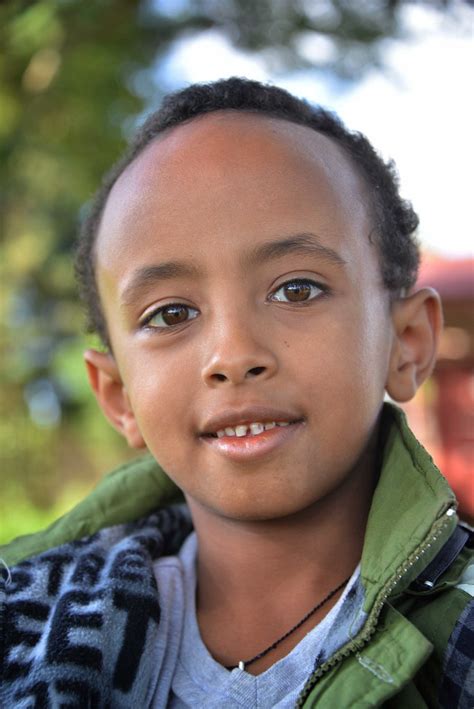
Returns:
point(417, 321)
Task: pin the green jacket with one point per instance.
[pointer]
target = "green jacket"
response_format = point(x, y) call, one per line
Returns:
point(411, 652)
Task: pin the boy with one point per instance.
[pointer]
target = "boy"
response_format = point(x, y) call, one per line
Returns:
point(250, 266)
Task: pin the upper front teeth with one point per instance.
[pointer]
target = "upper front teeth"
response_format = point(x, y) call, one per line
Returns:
point(253, 428)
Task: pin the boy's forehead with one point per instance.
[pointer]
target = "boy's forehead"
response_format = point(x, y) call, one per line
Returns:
point(224, 148)
point(225, 140)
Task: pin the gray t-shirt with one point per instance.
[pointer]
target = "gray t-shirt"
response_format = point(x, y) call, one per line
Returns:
point(188, 676)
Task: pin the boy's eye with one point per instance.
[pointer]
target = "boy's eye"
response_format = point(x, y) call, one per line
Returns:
point(170, 315)
point(297, 291)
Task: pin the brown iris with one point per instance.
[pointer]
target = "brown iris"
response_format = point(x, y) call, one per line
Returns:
point(175, 314)
point(295, 292)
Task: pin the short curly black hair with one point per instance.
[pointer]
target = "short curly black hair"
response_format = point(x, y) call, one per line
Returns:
point(394, 218)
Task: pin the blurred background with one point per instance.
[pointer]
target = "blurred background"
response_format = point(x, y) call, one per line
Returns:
point(77, 77)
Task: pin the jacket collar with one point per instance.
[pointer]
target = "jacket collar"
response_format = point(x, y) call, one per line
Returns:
point(411, 516)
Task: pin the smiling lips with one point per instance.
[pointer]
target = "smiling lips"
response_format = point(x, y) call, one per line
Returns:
point(249, 434)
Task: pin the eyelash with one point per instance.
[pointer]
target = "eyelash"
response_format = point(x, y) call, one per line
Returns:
point(323, 290)
point(145, 324)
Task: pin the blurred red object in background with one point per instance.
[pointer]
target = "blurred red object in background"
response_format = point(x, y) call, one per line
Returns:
point(442, 413)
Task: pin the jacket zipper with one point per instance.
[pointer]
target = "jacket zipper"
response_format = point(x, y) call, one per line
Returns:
point(371, 625)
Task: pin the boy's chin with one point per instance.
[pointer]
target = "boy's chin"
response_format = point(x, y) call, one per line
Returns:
point(251, 510)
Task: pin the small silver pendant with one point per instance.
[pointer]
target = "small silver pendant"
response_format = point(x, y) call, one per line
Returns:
point(242, 665)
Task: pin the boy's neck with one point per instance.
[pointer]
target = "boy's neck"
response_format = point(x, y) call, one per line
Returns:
point(323, 541)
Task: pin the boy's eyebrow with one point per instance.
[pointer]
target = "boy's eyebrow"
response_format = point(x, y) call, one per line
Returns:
point(149, 275)
point(305, 243)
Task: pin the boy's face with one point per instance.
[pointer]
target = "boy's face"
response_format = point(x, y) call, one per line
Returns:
point(257, 231)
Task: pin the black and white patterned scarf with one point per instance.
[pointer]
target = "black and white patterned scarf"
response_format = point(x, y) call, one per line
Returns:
point(75, 621)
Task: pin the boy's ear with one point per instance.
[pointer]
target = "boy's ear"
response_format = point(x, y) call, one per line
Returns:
point(417, 321)
point(110, 392)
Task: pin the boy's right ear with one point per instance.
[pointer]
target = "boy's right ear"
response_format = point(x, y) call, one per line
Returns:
point(110, 392)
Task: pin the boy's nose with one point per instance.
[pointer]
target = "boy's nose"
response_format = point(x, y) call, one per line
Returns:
point(236, 360)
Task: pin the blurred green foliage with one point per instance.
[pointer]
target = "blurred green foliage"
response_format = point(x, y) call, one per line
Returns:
point(64, 98)
point(74, 77)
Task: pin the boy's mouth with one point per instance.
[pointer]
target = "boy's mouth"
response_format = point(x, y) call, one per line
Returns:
point(255, 428)
point(251, 433)
point(250, 421)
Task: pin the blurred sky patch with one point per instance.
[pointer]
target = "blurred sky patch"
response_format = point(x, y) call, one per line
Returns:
point(418, 109)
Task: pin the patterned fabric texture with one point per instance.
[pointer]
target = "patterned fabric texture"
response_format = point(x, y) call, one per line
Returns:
point(79, 617)
point(78, 622)
point(457, 689)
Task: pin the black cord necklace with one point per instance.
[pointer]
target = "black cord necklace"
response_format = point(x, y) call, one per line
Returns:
point(242, 664)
